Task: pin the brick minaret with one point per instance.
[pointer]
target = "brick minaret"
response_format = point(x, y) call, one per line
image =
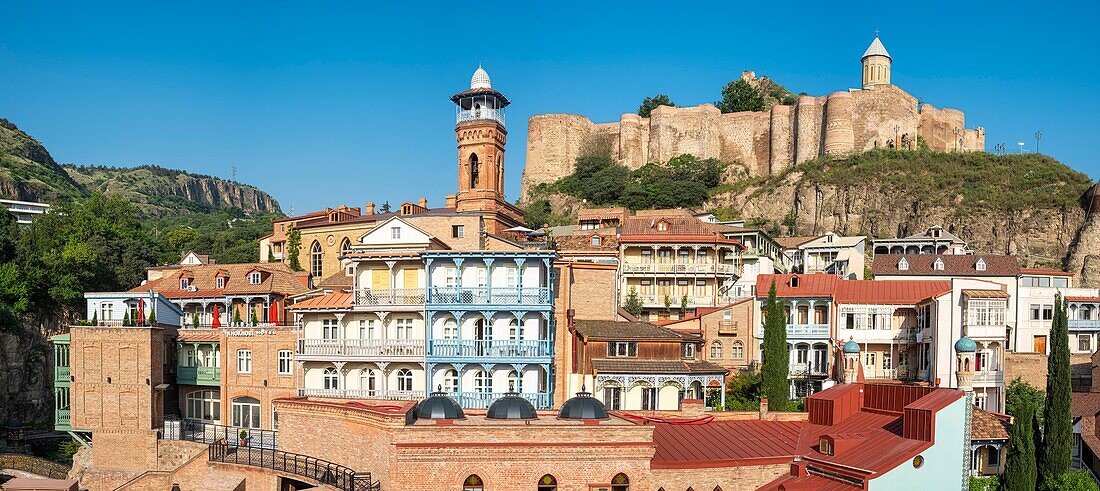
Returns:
point(481, 136)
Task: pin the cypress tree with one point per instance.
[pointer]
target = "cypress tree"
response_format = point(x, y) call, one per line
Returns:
point(126, 319)
point(775, 384)
point(293, 243)
point(1056, 453)
point(152, 316)
point(1020, 470)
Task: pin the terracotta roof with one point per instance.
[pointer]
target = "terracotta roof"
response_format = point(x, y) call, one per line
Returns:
point(888, 292)
point(1082, 299)
point(985, 293)
point(809, 285)
point(334, 300)
point(276, 278)
point(606, 329)
point(635, 365)
point(680, 229)
point(724, 443)
point(1084, 404)
point(1045, 271)
point(794, 242)
point(337, 281)
point(921, 265)
point(700, 312)
point(601, 213)
point(988, 426)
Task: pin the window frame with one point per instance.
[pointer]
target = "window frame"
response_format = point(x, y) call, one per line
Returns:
point(244, 361)
point(285, 356)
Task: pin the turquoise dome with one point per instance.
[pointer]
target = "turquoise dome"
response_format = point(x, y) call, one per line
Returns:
point(851, 347)
point(965, 345)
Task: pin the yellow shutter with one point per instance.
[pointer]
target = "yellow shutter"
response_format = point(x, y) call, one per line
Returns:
point(410, 278)
point(380, 279)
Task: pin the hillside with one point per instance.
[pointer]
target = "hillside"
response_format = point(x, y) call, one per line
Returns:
point(29, 173)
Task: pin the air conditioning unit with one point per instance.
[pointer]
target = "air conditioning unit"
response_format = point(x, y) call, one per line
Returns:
point(192, 288)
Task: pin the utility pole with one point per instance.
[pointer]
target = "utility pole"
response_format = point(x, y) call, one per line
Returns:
point(1038, 136)
point(234, 173)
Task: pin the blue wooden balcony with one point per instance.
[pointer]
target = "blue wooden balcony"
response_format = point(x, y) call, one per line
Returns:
point(509, 349)
point(199, 375)
point(482, 400)
point(498, 296)
point(61, 375)
point(1084, 324)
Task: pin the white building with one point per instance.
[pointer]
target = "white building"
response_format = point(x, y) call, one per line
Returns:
point(24, 211)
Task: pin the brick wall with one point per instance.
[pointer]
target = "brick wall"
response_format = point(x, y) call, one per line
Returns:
point(743, 478)
point(264, 383)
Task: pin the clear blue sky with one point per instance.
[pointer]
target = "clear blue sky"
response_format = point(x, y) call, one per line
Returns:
point(349, 103)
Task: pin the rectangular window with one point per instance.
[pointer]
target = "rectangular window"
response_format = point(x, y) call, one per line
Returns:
point(286, 362)
point(458, 231)
point(404, 328)
point(870, 360)
point(244, 361)
point(395, 232)
point(887, 362)
point(1036, 312)
point(220, 282)
point(254, 278)
point(183, 283)
point(1084, 342)
point(649, 398)
point(329, 329)
point(687, 350)
point(622, 348)
point(613, 397)
point(1061, 282)
point(1048, 312)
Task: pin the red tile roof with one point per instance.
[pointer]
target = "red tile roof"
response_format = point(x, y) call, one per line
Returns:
point(1082, 299)
point(921, 265)
point(809, 285)
point(276, 278)
point(888, 292)
point(1045, 271)
point(724, 443)
point(794, 242)
point(988, 426)
point(680, 229)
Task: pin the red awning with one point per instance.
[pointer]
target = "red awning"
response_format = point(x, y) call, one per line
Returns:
point(273, 313)
point(140, 321)
point(217, 318)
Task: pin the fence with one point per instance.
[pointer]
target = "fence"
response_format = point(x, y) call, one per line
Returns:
point(201, 432)
point(321, 471)
point(33, 465)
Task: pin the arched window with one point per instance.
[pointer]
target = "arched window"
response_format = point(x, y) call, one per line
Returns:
point(620, 482)
point(475, 171)
point(315, 256)
point(514, 382)
point(331, 378)
point(548, 483)
point(404, 379)
point(482, 381)
point(738, 350)
point(246, 412)
point(345, 246)
point(450, 380)
point(500, 173)
point(716, 350)
point(473, 483)
point(450, 329)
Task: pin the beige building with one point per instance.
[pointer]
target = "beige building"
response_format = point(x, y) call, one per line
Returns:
point(727, 333)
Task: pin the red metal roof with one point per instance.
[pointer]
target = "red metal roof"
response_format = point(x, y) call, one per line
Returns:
point(724, 443)
point(334, 300)
point(1045, 272)
point(889, 292)
point(809, 285)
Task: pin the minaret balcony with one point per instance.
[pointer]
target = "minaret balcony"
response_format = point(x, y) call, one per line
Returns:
point(482, 114)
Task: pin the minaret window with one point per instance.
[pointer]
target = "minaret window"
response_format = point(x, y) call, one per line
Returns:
point(474, 170)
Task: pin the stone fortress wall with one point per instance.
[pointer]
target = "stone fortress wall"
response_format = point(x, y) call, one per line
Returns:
point(767, 142)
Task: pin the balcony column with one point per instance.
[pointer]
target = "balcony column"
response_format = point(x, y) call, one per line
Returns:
point(810, 313)
point(383, 366)
point(341, 383)
point(489, 279)
point(794, 311)
point(198, 361)
point(340, 324)
point(519, 279)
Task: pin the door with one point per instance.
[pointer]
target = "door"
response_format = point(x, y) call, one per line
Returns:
point(1041, 344)
point(481, 335)
point(380, 279)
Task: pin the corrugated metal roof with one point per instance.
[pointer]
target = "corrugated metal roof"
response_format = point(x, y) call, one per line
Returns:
point(809, 285)
point(334, 300)
point(732, 442)
point(985, 293)
point(889, 292)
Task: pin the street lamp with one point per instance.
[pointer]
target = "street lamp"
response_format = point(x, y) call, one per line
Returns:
point(896, 130)
point(1038, 136)
point(1021, 144)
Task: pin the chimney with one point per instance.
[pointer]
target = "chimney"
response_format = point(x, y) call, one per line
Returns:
point(692, 408)
point(450, 201)
point(423, 202)
point(370, 208)
point(763, 408)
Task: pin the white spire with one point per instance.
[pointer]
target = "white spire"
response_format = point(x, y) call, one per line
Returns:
point(480, 80)
point(876, 48)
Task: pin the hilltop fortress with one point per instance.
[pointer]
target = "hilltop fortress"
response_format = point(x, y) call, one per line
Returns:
point(766, 142)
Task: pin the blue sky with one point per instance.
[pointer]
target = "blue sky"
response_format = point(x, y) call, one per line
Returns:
point(348, 103)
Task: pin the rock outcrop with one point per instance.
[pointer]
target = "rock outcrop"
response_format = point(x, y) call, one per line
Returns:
point(156, 190)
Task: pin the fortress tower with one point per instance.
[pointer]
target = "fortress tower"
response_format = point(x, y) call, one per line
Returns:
point(480, 132)
point(876, 64)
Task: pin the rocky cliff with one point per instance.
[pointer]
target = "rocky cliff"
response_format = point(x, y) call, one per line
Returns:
point(27, 171)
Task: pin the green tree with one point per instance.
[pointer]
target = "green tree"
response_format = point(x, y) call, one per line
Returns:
point(633, 303)
point(293, 244)
point(683, 306)
point(775, 385)
point(985, 483)
point(740, 95)
point(1055, 455)
point(195, 319)
point(152, 316)
point(1020, 471)
point(668, 304)
point(236, 316)
point(651, 103)
point(1078, 480)
point(252, 318)
point(1018, 393)
point(385, 207)
point(270, 254)
point(126, 318)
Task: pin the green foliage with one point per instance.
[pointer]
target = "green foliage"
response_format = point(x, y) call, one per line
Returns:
point(152, 316)
point(385, 207)
point(775, 385)
point(1020, 471)
point(236, 316)
point(270, 254)
point(651, 103)
point(726, 213)
point(293, 244)
point(252, 318)
point(126, 319)
point(195, 319)
point(987, 483)
point(228, 235)
point(1019, 393)
point(743, 392)
point(668, 303)
point(740, 95)
point(633, 303)
point(683, 306)
point(1055, 455)
point(539, 213)
point(683, 181)
point(1078, 480)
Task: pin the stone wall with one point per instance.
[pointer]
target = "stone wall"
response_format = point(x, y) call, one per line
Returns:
point(766, 142)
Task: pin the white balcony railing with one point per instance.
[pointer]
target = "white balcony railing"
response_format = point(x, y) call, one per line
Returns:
point(392, 395)
point(480, 114)
point(658, 300)
point(499, 348)
point(803, 369)
point(685, 268)
point(989, 377)
point(390, 296)
point(801, 331)
point(497, 295)
point(361, 347)
point(877, 335)
point(977, 331)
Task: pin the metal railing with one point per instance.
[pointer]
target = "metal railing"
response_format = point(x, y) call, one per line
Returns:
point(389, 395)
point(198, 375)
point(34, 465)
point(227, 324)
point(993, 377)
point(314, 469)
point(505, 348)
point(674, 300)
point(390, 296)
point(502, 295)
point(479, 114)
point(482, 400)
point(203, 432)
point(1084, 324)
point(801, 331)
point(62, 418)
point(796, 369)
point(686, 268)
point(361, 347)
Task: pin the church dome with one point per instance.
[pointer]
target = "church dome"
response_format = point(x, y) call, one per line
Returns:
point(851, 346)
point(965, 345)
point(511, 406)
point(583, 406)
point(876, 49)
point(439, 406)
point(480, 80)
